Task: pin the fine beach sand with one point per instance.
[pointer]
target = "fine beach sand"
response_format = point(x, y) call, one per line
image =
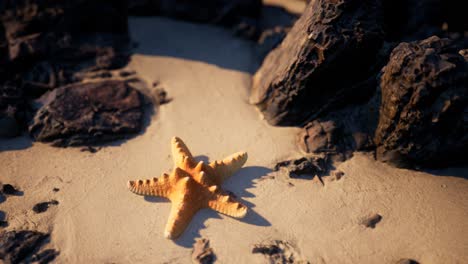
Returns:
point(206, 71)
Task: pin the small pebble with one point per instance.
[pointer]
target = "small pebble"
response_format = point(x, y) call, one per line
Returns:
point(42, 207)
point(55, 189)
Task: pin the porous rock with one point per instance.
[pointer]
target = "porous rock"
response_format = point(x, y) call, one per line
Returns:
point(329, 51)
point(424, 110)
point(88, 113)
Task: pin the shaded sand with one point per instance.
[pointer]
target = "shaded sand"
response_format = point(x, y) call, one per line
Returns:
point(207, 73)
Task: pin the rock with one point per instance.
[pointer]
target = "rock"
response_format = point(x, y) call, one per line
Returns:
point(222, 12)
point(202, 253)
point(279, 252)
point(42, 207)
point(9, 189)
point(12, 110)
point(321, 63)
point(312, 166)
point(424, 111)
point(3, 222)
point(20, 247)
point(88, 113)
point(340, 133)
point(371, 221)
point(407, 261)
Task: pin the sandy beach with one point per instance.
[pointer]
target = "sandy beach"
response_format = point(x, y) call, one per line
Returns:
point(207, 71)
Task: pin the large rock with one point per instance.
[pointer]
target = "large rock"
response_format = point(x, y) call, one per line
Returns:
point(23, 246)
point(88, 113)
point(319, 66)
point(424, 110)
point(45, 44)
point(223, 12)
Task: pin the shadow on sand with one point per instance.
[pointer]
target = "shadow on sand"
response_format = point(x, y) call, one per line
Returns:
point(196, 42)
point(238, 184)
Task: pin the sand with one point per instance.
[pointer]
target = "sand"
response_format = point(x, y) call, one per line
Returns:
point(206, 71)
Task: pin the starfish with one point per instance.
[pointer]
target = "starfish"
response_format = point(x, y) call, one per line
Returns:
point(192, 186)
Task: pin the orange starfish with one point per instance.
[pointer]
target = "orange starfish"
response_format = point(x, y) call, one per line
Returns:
point(192, 186)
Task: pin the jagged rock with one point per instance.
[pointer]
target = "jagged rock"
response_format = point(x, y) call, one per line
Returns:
point(312, 166)
point(340, 133)
point(46, 44)
point(319, 66)
point(88, 113)
point(22, 246)
point(223, 12)
point(424, 110)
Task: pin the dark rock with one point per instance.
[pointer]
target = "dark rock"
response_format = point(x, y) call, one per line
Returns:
point(45, 256)
point(222, 12)
point(279, 252)
point(371, 221)
point(90, 149)
point(161, 96)
point(340, 133)
point(55, 189)
point(42, 207)
point(3, 222)
point(312, 166)
point(202, 253)
point(9, 189)
point(319, 66)
point(424, 110)
point(12, 109)
point(88, 113)
point(20, 246)
point(338, 175)
point(407, 261)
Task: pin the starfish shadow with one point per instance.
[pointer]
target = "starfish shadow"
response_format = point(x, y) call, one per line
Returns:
point(237, 184)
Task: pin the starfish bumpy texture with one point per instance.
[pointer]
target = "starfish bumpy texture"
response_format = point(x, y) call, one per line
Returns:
point(192, 186)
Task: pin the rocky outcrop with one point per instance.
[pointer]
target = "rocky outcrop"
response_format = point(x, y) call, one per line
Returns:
point(88, 113)
point(222, 12)
point(424, 110)
point(46, 44)
point(24, 246)
point(321, 63)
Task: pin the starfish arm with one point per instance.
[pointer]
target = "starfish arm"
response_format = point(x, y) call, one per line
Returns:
point(181, 213)
point(154, 187)
point(180, 153)
point(226, 204)
point(228, 166)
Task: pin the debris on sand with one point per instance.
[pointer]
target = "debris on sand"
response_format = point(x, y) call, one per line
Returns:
point(371, 221)
point(202, 252)
point(279, 251)
point(24, 246)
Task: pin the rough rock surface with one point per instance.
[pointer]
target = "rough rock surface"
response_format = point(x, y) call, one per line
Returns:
point(22, 246)
point(223, 12)
point(424, 111)
point(88, 113)
point(330, 50)
point(46, 44)
point(340, 133)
